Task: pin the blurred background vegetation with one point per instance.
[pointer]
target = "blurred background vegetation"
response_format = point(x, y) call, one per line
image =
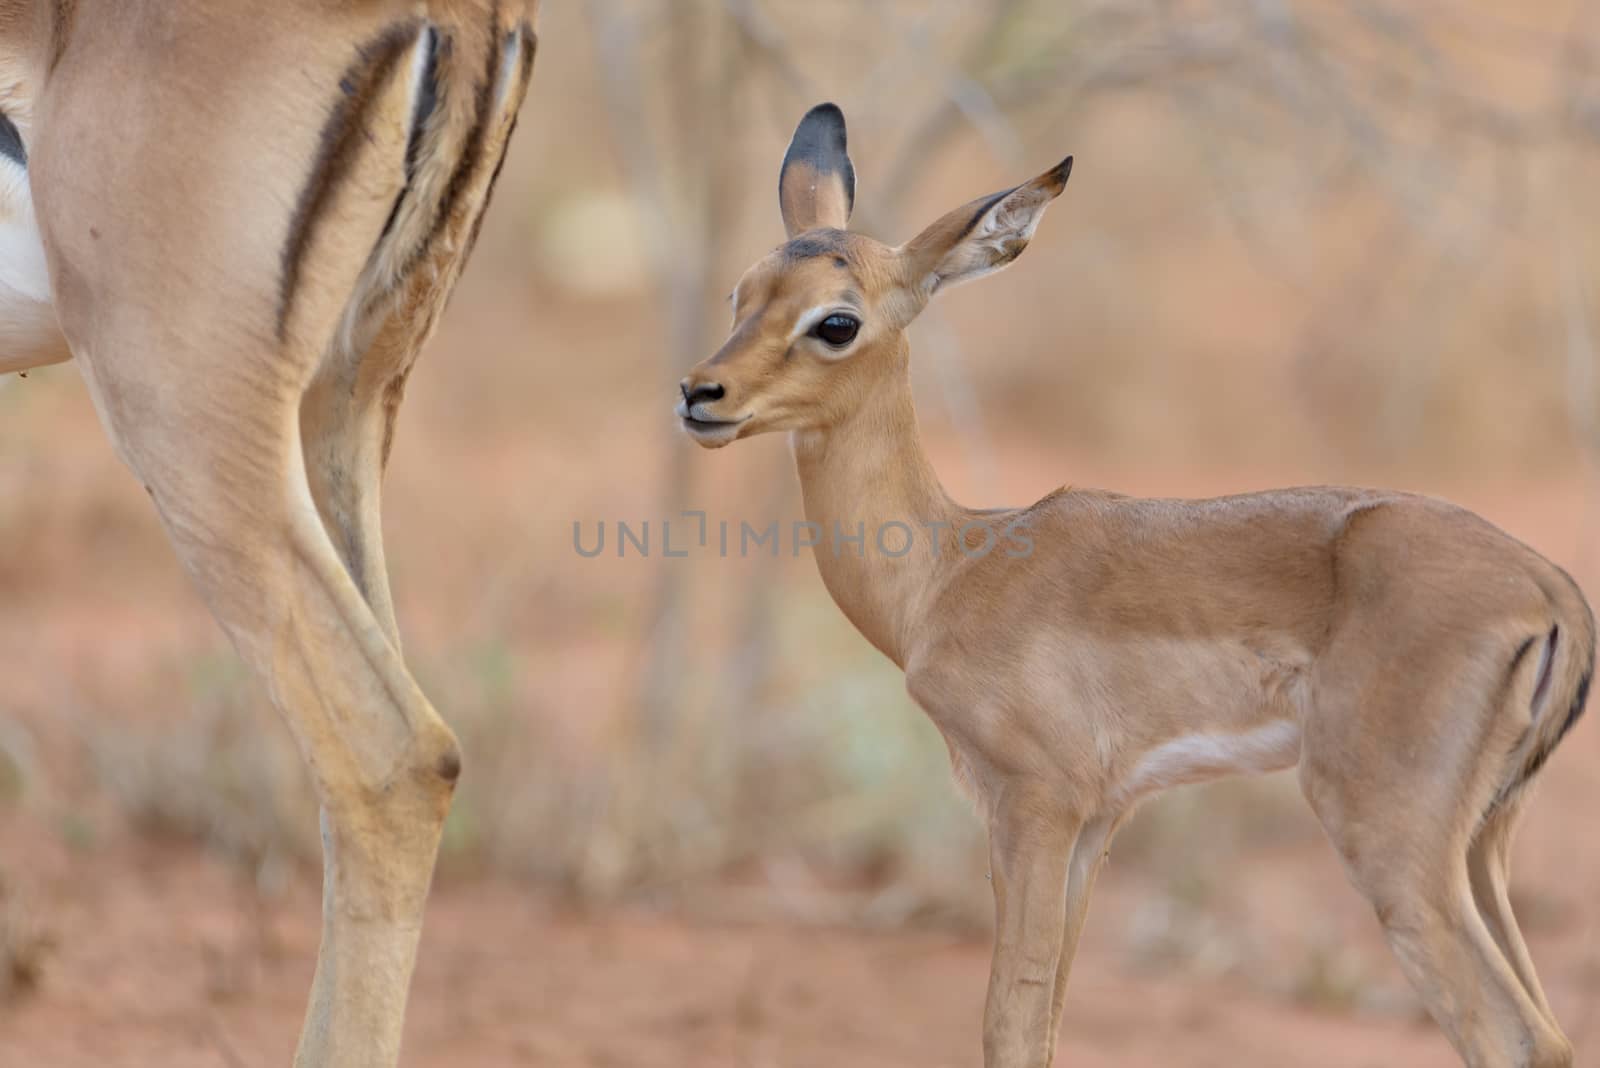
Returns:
point(1304, 242)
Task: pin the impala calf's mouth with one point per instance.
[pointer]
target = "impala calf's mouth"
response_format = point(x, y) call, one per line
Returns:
point(699, 422)
point(707, 430)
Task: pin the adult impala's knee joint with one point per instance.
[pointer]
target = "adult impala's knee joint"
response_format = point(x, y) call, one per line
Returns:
point(436, 755)
point(1549, 1051)
point(448, 764)
point(405, 812)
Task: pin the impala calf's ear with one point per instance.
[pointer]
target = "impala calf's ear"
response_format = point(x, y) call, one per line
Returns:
point(982, 236)
point(817, 186)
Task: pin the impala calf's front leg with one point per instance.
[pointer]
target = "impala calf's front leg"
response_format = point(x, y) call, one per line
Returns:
point(1030, 852)
point(1088, 857)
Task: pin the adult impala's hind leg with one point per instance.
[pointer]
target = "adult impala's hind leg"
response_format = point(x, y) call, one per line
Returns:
point(344, 430)
point(240, 513)
point(171, 293)
point(226, 472)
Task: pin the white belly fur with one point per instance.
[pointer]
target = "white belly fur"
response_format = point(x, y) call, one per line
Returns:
point(1200, 757)
point(29, 335)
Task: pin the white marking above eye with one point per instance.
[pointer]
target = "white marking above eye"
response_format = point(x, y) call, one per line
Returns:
point(809, 320)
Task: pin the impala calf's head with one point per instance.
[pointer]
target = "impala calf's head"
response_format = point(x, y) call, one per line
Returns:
point(820, 321)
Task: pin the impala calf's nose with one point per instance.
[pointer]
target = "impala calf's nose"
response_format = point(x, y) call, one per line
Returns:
point(694, 393)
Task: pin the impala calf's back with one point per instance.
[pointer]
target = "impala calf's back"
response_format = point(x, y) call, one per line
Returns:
point(1416, 664)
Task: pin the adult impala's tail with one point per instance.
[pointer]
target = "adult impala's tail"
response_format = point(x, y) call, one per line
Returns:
point(454, 86)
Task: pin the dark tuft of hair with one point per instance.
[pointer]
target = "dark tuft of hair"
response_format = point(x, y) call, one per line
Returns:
point(834, 243)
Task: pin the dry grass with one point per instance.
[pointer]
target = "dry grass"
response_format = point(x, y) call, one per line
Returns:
point(831, 802)
point(837, 786)
point(222, 775)
point(25, 944)
point(828, 800)
point(1195, 846)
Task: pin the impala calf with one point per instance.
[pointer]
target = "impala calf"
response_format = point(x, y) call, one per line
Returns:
point(1417, 664)
point(243, 220)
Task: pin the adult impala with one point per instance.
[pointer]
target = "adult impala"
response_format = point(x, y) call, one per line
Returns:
point(247, 218)
point(1416, 663)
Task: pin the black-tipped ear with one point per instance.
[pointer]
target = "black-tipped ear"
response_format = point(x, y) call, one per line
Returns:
point(817, 186)
point(985, 235)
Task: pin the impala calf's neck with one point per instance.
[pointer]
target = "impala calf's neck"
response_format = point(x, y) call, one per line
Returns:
point(1416, 664)
point(867, 477)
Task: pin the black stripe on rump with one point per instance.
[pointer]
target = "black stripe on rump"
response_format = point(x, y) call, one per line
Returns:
point(342, 138)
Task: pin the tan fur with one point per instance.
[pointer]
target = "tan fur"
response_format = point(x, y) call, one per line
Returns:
point(1389, 645)
point(216, 188)
point(805, 195)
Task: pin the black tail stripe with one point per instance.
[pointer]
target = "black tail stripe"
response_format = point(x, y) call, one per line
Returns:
point(1537, 760)
point(530, 47)
point(1579, 702)
point(1547, 666)
point(488, 193)
point(427, 104)
point(472, 149)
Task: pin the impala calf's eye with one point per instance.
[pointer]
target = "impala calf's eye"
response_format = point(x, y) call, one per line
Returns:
point(837, 330)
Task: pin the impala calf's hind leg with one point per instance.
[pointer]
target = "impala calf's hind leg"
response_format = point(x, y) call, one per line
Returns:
point(1411, 861)
point(1489, 868)
point(1432, 924)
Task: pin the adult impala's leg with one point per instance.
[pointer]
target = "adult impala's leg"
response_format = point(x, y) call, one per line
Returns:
point(344, 426)
point(240, 513)
point(1030, 850)
point(225, 467)
point(167, 243)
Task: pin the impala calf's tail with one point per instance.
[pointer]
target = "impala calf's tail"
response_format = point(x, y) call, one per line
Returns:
point(1561, 687)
